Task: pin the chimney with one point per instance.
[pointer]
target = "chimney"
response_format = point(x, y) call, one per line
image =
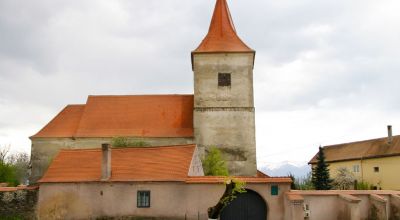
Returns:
point(106, 162)
point(390, 135)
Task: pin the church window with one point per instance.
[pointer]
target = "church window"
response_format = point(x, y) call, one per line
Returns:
point(224, 79)
point(143, 199)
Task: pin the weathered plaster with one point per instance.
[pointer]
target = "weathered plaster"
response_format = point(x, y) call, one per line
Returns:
point(168, 200)
point(224, 117)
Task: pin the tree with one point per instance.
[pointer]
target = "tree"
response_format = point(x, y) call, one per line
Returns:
point(344, 179)
point(232, 189)
point(320, 177)
point(7, 171)
point(293, 185)
point(20, 162)
point(13, 168)
point(213, 163)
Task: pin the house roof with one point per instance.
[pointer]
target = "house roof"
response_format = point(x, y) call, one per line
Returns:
point(132, 116)
point(246, 179)
point(259, 178)
point(222, 36)
point(375, 148)
point(168, 163)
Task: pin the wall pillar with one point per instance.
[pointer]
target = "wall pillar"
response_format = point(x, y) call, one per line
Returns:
point(379, 207)
point(352, 204)
point(394, 206)
point(295, 207)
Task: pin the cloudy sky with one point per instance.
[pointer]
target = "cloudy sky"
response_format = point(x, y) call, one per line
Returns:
point(326, 72)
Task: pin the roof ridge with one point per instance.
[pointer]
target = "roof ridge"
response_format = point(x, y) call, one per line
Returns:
point(130, 148)
point(156, 147)
point(362, 141)
point(137, 95)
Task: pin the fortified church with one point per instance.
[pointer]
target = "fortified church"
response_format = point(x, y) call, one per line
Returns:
point(220, 113)
point(80, 176)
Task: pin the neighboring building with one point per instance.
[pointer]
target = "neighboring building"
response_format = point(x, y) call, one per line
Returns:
point(220, 113)
point(376, 161)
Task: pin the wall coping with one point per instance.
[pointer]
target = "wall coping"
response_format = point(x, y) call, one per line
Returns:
point(13, 189)
point(349, 198)
point(378, 198)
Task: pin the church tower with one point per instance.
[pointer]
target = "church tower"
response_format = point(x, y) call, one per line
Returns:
point(223, 94)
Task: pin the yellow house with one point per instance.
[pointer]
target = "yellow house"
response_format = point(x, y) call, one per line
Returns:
point(376, 161)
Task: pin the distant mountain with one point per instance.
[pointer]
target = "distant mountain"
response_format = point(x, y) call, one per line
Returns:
point(298, 169)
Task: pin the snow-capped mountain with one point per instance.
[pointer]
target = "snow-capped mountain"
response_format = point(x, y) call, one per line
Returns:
point(298, 169)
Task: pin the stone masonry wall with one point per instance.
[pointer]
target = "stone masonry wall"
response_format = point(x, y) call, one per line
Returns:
point(18, 204)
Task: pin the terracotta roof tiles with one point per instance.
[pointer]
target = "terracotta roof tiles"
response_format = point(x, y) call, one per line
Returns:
point(64, 124)
point(247, 179)
point(132, 116)
point(222, 36)
point(170, 163)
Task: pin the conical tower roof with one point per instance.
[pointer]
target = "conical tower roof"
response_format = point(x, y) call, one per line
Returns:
point(222, 36)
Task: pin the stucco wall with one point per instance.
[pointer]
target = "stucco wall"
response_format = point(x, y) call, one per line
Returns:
point(224, 116)
point(45, 149)
point(176, 200)
point(345, 205)
point(386, 178)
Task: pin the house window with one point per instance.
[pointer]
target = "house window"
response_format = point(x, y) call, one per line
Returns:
point(356, 168)
point(274, 190)
point(376, 169)
point(143, 199)
point(224, 79)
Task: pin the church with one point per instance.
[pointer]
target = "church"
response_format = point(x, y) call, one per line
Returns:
point(80, 175)
point(220, 113)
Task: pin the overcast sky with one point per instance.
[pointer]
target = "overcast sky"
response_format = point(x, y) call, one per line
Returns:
point(326, 72)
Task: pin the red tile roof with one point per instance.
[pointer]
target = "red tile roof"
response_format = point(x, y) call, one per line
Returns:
point(133, 116)
point(222, 35)
point(64, 124)
point(171, 163)
point(375, 148)
point(247, 179)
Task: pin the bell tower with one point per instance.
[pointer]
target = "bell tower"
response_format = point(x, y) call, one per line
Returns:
point(223, 94)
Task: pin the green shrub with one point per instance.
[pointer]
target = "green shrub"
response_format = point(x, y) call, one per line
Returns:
point(213, 163)
point(125, 142)
point(363, 186)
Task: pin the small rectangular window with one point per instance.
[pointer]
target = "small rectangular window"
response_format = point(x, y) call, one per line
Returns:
point(356, 168)
point(224, 79)
point(143, 199)
point(376, 169)
point(274, 190)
